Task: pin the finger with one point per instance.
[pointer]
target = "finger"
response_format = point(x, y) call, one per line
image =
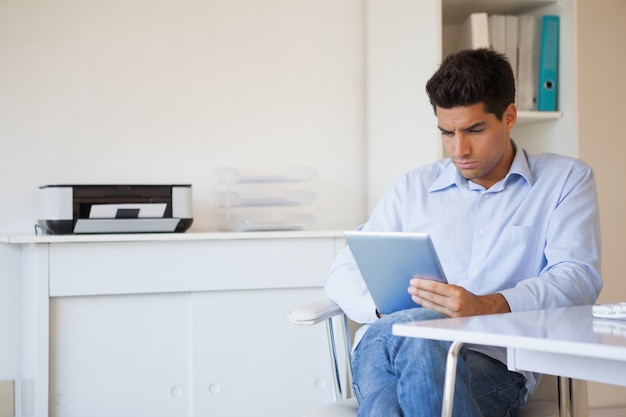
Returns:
point(425, 303)
point(426, 297)
point(428, 285)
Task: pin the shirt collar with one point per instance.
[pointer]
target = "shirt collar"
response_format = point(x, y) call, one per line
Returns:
point(450, 175)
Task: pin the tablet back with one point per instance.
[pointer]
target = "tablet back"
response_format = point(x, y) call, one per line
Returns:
point(388, 261)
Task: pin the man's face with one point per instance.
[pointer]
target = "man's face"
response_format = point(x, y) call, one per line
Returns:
point(478, 143)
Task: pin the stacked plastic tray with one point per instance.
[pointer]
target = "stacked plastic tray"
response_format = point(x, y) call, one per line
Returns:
point(263, 199)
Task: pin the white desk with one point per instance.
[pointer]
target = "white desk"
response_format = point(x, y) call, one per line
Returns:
point(567, 342)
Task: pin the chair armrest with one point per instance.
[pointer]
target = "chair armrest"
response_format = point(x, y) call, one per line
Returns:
point(339, 343)
point(314, 312)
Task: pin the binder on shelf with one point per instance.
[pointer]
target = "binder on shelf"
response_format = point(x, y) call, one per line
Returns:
point(474, 32)
point(503, 37)
point(497, 32)
point(511, 23)
point(528, 65)
point(549, 63)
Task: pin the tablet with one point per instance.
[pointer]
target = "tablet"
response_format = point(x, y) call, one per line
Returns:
point(388, 261)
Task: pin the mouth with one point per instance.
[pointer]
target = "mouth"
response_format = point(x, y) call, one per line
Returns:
point(466, 164)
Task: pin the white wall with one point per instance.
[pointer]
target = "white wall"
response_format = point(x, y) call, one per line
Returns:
point(601, 68)
point(162, 91)
point(401, 127)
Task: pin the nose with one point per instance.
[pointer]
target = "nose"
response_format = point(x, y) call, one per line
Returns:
point(461, 144)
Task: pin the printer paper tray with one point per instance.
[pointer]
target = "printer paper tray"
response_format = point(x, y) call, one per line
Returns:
point(125, 225)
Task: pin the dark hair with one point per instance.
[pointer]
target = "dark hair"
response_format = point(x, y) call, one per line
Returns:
point(473, 76)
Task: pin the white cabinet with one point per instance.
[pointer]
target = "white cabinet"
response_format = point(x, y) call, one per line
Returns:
point(120, 355)
point(227, 353)
point(267, 367)
point(195, 325)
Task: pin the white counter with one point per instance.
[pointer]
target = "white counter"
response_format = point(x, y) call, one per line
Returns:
point(143, 237)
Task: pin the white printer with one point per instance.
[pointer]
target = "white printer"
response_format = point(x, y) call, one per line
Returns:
point(117, 208)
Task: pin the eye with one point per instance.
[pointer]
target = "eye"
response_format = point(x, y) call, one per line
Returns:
point(475, 131)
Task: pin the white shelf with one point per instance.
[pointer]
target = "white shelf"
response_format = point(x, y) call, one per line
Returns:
point(455, 11)
point(528, 117)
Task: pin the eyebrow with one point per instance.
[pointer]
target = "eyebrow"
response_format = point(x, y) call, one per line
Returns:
point(465, 129)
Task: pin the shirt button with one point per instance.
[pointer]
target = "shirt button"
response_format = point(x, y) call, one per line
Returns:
point(486, 196)
point(481, 232)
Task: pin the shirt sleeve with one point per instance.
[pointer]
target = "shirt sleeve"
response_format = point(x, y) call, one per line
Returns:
point(345, 286)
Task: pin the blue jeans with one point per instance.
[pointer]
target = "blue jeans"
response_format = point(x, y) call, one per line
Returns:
point(404, 376)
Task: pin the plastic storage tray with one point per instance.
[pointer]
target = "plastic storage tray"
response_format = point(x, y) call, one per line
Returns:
point(264, 199)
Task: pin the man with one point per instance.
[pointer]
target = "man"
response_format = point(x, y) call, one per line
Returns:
point(513, 231)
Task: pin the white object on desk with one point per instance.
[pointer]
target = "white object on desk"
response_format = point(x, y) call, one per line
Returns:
point(609, 311)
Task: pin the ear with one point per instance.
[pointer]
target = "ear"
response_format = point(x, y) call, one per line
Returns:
point(509, 118)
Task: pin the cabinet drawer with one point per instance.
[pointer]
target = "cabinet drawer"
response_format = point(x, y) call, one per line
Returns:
point(180, 266)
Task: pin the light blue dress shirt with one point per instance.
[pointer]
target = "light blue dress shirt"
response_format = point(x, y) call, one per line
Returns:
point(533, 237)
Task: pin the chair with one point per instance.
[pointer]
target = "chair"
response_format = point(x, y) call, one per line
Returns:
point(554, 397)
